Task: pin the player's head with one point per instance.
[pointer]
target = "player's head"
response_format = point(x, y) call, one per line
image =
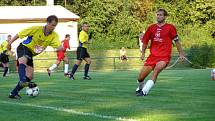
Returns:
point(85, 26)
point(161, 15)
point(52, 22)
point(67, 36)
point(9, 37)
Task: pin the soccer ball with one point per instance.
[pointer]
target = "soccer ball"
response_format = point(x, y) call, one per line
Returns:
point(213, 74)
point(33, 92)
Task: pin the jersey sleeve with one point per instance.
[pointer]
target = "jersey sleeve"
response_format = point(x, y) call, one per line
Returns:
point(83, 37)
point(173, 32)
point(27, 32)
point(55, 43)
point(146, 37)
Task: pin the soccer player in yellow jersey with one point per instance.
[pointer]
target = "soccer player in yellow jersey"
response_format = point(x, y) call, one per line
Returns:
point(4, 59)
point(38, 38)
point(82, 53)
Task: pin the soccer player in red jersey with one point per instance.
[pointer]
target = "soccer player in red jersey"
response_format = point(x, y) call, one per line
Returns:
point(161, 35)
point(61, 57)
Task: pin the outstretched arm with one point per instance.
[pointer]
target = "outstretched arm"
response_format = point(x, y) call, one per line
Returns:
point(12, 40)
point(60, 48)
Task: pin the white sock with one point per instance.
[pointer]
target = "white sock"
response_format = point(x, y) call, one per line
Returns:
point(66, 68)
point(149, 84)
point(53, 67)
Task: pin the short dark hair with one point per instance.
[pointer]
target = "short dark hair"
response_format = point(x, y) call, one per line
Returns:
point(67, 35)
point(52, 18)
point(9, 35)
point(163, 10)
point(84, 23)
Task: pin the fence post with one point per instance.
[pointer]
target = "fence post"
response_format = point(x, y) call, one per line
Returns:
point(114, 63)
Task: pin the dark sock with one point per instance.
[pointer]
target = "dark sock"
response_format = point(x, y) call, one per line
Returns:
point(74, 69)
point(19, 87)
point(22, 79)
point(140, 81)
point(27, 79)
point(5, 71)
point(22, 72)
point(16, 90)
point(86, 69)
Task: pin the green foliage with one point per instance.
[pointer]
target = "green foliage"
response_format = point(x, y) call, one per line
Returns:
point(22, 2)
point(140, 8)
point(113, 22)
point(192, 35)
point(202, 55)
point(117, 23)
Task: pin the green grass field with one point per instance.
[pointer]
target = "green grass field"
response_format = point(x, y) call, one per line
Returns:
point(179, 95)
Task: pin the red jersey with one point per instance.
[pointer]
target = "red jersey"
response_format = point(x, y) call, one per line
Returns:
point(161, 39)
point(61, 54)
point(65, 44)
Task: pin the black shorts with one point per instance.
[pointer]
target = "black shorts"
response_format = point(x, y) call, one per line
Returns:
point(4, 58)
point(24, 51)
point(82, 53)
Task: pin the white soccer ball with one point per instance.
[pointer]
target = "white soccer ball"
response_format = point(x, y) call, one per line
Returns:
point(33, 92)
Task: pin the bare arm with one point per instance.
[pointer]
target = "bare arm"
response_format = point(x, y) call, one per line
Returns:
point(180, 51)
point(60, 48)
point(143, 51)
point(12, 40)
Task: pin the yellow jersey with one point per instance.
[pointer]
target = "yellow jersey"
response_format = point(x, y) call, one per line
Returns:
point(83, 38)
point(3, 46)
point(37, 41)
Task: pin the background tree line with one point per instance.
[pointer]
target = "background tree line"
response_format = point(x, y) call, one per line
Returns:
point(117, 23)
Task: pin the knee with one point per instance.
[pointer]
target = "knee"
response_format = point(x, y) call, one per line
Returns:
point(22, 60)
point(157, 70)
point(78, 63)
point(89, 62)
point(66, 61)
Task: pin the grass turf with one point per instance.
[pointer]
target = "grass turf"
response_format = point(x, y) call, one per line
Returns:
point(179, 95)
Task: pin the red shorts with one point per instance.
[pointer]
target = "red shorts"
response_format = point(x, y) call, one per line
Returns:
point(153, 60)
point(60, 56)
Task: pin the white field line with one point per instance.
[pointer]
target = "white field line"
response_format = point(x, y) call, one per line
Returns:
point(70, 111)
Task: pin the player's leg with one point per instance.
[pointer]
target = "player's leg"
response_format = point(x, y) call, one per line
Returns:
point(66, 65)
point(29, 76)
point(25, 59)
point(55, 65)
point(17, 65)
point(74, 69)
point(22, 77)
point(142, 75)
point(79, 54)
point(6, 69)
point(86, 68)
point(5, 62)
point(150, 83)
